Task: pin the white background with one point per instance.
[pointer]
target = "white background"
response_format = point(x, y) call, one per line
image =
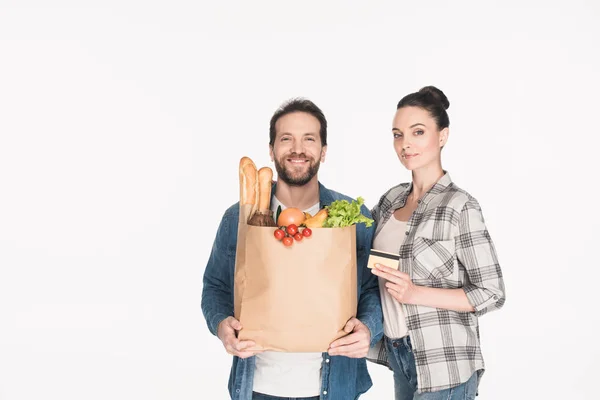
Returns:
point(122, 124)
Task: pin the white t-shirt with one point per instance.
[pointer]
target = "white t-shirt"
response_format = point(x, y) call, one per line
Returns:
point(389, 239)
point(288, 374)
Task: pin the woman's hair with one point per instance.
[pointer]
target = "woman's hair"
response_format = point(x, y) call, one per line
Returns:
point(431, 99)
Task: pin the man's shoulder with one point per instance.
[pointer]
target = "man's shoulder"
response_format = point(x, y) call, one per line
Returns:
point(339, 196)
point(335, 195)
point(230, 219)
point(233, 212)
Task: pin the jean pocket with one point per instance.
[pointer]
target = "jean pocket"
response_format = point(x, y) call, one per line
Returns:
point(433, 259)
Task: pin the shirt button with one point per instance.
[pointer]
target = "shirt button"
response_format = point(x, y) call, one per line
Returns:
point(406, 233)
point(419, 201)
point(325, 392)
point(327, 360)
point(237, 390)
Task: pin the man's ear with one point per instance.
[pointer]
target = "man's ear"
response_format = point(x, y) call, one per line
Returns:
point(323, 153)
point(271, 153)
point(444, 136)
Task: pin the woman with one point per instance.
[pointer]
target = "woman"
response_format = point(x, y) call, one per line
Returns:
point(448, 273)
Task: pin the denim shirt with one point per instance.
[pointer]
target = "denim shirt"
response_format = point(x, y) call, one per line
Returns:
point(342, 378)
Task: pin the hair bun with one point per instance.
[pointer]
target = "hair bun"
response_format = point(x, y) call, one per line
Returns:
point(437, 94)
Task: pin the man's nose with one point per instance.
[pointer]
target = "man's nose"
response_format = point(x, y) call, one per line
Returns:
point(297, 146)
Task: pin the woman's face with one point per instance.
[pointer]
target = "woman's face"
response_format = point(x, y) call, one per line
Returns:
point(417, 140)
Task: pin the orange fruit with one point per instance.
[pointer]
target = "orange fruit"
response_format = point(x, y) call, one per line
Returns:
point(291, 216)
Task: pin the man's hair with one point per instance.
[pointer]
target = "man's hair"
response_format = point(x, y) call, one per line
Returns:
point(299, 105)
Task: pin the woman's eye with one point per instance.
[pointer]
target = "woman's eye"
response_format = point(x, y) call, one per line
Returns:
point(419, 132)
point(397, 135)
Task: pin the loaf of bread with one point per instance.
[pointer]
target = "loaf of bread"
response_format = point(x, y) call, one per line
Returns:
point(248, 183)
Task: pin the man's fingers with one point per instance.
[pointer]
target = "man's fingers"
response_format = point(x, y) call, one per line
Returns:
point(246, 354)
point(351, 324)
point(244, 344)
point(240, 348)
point(351, 349)
point(235, 324)
point(346, 340)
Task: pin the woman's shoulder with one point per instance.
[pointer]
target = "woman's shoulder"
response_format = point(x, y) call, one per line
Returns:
point(459, 197)
point(395, 191)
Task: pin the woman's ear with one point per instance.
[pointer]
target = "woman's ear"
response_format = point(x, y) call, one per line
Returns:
point(444, 136)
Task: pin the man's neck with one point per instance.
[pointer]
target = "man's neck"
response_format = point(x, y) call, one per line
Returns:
point(302, 197)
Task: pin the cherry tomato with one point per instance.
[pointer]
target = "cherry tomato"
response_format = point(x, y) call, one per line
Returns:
point(287, 241)
point(279, 234)
point(298, 236)
point(306, 232)
point(292, 229)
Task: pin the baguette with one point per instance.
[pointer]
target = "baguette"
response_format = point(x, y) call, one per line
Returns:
point(248, 183)
point(263, 216)
point(265, 180)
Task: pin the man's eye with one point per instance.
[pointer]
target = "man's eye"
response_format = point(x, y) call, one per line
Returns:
point(285, 139)
point(312, 139)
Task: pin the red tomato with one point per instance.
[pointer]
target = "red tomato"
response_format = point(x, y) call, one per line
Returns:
point(279, 234)
point(306, 232)
point(287, 241)
point(292, 229)
point(298, 236)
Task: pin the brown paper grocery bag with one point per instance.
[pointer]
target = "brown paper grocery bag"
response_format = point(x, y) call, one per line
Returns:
point(298, 298)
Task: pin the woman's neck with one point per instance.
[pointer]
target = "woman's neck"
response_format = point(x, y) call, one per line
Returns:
point(424, 179)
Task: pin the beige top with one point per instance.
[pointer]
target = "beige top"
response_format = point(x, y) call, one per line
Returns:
point(389, 239)
point(288, 374)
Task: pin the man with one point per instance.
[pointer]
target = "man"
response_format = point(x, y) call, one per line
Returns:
point(298, 144)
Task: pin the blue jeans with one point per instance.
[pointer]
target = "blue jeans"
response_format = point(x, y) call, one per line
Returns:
point(260, 396)
point(402, 361)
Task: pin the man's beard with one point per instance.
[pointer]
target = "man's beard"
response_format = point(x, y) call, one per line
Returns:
point(285, 175)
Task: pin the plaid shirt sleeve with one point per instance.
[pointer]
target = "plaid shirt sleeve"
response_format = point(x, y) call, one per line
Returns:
point(477, 255)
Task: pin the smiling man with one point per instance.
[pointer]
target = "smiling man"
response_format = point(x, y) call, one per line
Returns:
point(298, 145)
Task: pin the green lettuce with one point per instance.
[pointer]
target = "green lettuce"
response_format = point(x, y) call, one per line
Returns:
point(342, 213)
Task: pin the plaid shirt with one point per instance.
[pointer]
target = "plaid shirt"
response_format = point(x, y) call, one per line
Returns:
point(447, 246)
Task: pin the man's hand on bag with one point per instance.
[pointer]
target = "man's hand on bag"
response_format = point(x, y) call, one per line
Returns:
point(354, 345)
point(227, 332)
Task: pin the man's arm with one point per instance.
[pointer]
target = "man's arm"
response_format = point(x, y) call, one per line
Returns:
point(367, 328)
point(369, 303)
point(217, 292)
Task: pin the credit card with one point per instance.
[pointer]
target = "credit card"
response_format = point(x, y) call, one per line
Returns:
point(384, 258)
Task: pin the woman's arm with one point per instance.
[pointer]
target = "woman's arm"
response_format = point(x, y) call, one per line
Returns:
point(404, 291)
point(477, 255)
